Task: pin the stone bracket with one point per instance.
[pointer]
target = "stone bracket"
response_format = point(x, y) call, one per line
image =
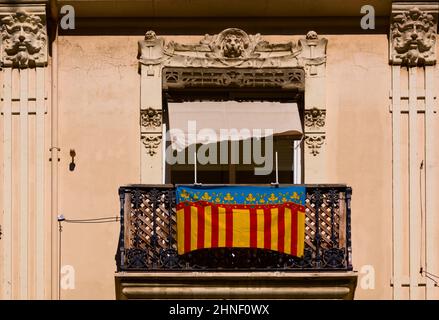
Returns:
point(313, 54)
point(314, 143)
point(151, 143)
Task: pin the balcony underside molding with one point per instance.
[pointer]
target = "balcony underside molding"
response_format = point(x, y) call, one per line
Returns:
point(235, 285)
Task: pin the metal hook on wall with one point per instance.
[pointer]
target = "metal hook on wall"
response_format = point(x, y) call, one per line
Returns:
point(72, 164)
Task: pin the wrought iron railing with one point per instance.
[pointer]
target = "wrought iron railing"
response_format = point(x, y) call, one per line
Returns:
point(148, 235)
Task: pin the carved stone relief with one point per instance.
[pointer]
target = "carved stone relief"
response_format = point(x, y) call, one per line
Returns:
point(413, 37)
point(281, 78)
point(233, 58)
point(151, 143)
point(314, 143)
point(315, 118)
point(313, 52)
point(313, 57)
point(151, 118)
point(24, 40)
point(230, 48)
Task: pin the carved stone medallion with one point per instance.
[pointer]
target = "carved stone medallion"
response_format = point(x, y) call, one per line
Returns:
point(413, 37)
point(24, 40)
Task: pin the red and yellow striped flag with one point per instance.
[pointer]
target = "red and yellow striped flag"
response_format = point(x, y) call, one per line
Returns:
point(241, 217)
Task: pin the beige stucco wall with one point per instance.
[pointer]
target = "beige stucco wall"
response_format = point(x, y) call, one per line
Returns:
point(98, 118)
point(99, 107)
point(359, 137)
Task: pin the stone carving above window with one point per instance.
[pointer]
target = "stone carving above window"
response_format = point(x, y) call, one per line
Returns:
point(151, 143)
point(314, 143)
point(232, 44)
point(413, 37)
point(315, 118)
point(151, 118)
point(282, 78)
point(24, 40)
point(230, 48)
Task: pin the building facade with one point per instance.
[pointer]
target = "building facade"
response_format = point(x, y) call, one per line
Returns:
point(88, 91)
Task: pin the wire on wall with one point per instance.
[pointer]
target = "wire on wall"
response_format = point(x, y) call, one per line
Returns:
point(62, 219)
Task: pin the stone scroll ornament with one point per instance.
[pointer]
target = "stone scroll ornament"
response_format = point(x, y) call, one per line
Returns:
point(413, 38)
point(151, 118)
point(24, 40)
point(230, 48)
point(315, 143)
point(151, 143)
point(315, 118)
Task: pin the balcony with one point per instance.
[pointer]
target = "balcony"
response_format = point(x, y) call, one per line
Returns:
point(148, 265)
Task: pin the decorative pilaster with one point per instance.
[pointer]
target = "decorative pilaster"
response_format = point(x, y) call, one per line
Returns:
point(412, 44)
point(313, 57)
point(151, 124)
point(23, 56)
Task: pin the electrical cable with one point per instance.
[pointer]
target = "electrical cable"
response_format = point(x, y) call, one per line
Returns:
point(93, 220)
point(62, 219)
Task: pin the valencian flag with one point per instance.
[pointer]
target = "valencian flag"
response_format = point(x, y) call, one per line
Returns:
point(270, 218)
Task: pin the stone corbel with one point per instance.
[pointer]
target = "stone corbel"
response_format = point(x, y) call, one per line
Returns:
point(151, 143)
point(313, 52)
point(413, 31)
point(314, 143)
point(23, 36)
point(150, 51)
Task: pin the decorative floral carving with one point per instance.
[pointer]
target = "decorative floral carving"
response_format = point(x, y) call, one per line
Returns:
point(151, 143)
point(151, 118)
point(230, 48)
point(413, 38)
point(24, 40)
point(283, 78)
point(315, 118)
point(314, 143)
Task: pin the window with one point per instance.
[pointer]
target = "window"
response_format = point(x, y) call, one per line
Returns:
point(233, 142)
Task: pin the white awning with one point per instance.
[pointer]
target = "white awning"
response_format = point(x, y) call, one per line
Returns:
point(211, 121)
